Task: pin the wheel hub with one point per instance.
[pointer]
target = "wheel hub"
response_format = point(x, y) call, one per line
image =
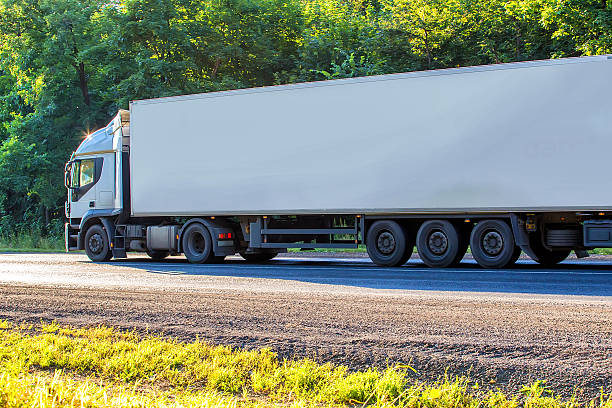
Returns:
point(438, 242)
point(196, 243)
point(492, 243)
point(96, 243)
point(386, 243)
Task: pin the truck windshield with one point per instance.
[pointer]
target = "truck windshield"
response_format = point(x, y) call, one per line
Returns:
point(74, 174)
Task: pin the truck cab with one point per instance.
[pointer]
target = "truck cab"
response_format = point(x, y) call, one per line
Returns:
point(93, 179)
point(98, 209)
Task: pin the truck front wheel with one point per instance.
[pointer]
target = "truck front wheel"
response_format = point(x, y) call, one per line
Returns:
point(97, 247)
point(388, 244)
point(157, 255)
point(197, 244)
point(492, 244)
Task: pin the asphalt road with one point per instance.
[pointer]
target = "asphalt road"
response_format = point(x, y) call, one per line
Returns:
point(503, 328)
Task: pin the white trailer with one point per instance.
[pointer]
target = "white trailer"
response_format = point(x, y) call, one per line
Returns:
point(500, 157)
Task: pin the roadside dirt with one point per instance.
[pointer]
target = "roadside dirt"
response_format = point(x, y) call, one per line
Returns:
point(501, 343)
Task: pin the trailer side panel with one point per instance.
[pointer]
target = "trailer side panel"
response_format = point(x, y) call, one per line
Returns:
point(516, 137)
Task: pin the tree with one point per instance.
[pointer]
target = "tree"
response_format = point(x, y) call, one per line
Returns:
point(340, 39)
point(66, 66)
point(427, 23)
point(580, 27)
point(46, 47)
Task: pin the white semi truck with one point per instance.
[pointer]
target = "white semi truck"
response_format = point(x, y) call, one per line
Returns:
point(501, 158)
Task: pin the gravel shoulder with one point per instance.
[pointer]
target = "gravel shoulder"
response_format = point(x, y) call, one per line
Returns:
point(500, 340)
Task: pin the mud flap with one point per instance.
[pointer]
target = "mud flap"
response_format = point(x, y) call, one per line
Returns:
point(521, 238)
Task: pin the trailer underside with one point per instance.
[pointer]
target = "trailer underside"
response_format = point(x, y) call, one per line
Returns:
point(496, 239)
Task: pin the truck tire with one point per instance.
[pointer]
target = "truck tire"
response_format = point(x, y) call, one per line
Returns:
point(262, 257)
point(157, 255)
point(544, 256)
point(388, 244)
point(492, 244)
point(96, 243)
point(551, 258)
point(438, 244)
point(197, 244)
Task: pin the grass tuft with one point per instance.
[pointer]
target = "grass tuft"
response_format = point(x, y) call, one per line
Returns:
point(51, 365)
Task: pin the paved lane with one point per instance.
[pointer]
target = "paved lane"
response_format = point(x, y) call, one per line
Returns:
point(505, 328)
point(350, 275)
point(571, 278)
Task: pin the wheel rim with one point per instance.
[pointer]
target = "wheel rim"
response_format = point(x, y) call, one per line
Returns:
point(197, 244)
point(492, 243)
point(386, 243)
point(95, 243)
point(437, 242)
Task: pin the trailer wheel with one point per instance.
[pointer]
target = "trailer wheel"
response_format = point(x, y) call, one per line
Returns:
point(388, 244)
point(261, 257)
point(438, 244)
point(492, 244)
point(544, 256)
point(157, 255)
point(197, 244)
point(551, 258)
point(97, 247)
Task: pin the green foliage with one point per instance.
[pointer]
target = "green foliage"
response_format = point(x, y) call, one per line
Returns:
point(66, 66)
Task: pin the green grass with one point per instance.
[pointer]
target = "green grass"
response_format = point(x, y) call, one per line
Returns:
point(31, 243)
point(360, 249)
point(58, 366)
point(40, 250)
point(601, 251)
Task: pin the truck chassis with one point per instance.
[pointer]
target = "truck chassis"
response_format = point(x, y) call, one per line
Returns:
point(496, 240)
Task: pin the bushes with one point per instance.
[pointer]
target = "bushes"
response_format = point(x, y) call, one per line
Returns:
point(67, 66)
point(18, 236)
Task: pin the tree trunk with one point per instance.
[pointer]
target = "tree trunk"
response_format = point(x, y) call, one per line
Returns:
point(518, 44)
point(83, 83)
point(80, 68)
point(215, 68)
point(427, 48)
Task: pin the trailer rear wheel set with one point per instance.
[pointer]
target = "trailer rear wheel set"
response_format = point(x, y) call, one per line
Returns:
point(442, 243)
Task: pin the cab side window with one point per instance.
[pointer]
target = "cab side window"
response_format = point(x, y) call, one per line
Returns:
point(87, 172)
point(84, 175)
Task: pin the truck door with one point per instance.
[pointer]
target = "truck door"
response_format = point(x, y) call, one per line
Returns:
point(105, 186)
point(84, 173)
